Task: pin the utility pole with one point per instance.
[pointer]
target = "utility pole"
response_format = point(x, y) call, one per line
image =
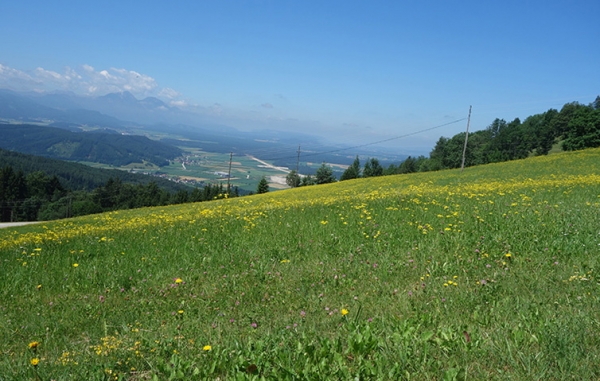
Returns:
point(462, 167)
point(229, 173)
point(69, 204)
point(298, 160)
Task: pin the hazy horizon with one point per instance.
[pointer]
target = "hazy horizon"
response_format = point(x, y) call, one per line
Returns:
point(348, 71)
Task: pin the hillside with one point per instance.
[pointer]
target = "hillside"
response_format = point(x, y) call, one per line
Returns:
point(485, 274)
point(108, 148)
point(77, 176)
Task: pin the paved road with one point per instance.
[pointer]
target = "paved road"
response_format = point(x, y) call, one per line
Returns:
point(282, 169)
point(13, 224)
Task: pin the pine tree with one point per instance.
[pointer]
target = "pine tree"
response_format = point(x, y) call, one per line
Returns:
point(263, 186)
point(352, 172)
point(372, 168)
point(307, 180)
point(324, 175)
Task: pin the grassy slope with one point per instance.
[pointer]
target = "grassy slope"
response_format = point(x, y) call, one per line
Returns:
point(485, 274)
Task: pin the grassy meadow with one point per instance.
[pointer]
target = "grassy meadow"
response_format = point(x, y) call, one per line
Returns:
point(489, 273)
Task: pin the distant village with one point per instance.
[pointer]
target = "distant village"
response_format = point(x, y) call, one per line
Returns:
point(185, 161)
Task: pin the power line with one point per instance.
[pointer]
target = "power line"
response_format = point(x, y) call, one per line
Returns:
point(298, 160)
point(373, 143)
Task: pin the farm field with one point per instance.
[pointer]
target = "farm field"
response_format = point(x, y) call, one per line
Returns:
point(211, 167)
point(489, 273)
point(246, 172)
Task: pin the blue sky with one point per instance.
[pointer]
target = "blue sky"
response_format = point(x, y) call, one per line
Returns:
point(357, 71)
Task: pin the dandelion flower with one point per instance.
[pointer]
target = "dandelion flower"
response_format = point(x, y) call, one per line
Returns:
point(178, 280)
point(180, 312)
point(344, 312)
point(34, 344)
point(75, 264)
point(35, 361)
point(206, 348)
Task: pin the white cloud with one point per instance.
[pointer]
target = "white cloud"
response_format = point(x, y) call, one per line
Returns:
point(92, 81)
point(86, 80)
point(15, 79)
point(48, 74)
point(179, 103)
point(7, 72)
point(72, 74)
point(105, 74)
point(169, 93)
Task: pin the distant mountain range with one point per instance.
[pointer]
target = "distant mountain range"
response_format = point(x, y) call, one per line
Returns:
point(124, 113)
point(22, 108)
point(121, 111)
point(112, 110)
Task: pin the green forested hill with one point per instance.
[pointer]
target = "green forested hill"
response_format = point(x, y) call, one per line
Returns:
point(113, 149)
point(576, 126)
point(35, 188)
point(77, 176)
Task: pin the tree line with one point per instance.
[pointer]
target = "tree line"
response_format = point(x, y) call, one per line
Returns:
point(576, 126)
point(78, 176)
point(40, 197)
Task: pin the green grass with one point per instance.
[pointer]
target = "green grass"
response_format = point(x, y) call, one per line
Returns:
point(488, 273)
